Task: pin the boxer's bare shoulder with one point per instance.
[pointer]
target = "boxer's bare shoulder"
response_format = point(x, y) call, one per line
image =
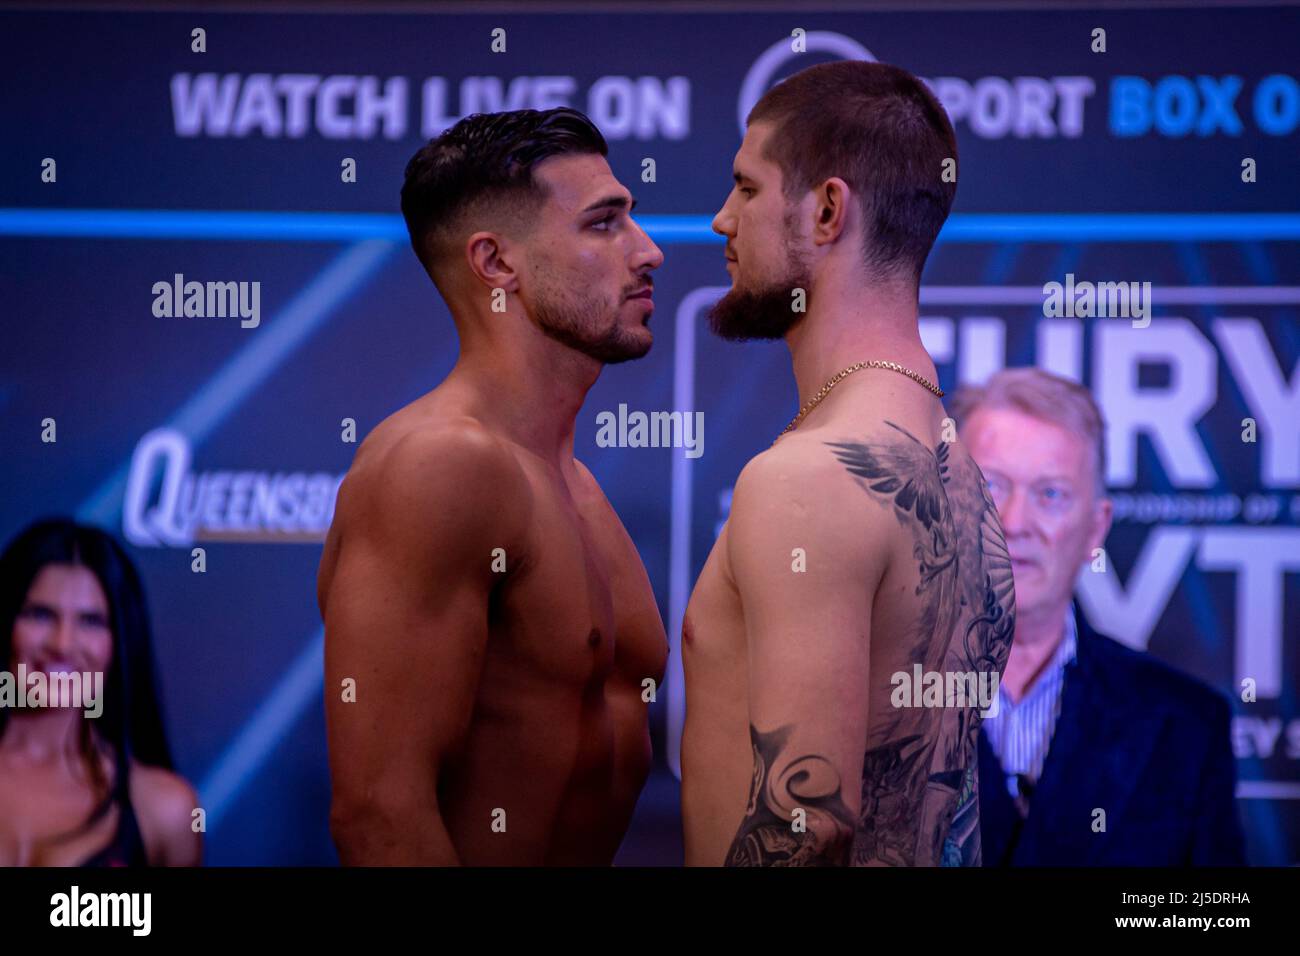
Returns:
point(777, 658)
point(946, 612)
point(404, 587)
point(499, 615)
point(855, 550)
point(437, 480)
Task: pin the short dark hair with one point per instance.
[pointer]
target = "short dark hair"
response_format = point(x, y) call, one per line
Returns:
point(884, 133)
point(486, 160)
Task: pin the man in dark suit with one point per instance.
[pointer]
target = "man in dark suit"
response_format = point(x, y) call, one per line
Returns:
point(1098, 755)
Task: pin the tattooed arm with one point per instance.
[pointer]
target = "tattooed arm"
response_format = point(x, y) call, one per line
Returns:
point(806, 577)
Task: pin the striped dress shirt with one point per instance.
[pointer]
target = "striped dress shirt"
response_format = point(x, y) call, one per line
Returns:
point(1021, 732)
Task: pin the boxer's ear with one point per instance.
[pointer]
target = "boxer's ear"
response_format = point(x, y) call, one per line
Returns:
point(832, 211)
point(492, 261)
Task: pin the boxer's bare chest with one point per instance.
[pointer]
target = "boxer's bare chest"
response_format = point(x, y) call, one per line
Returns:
point(577, 604)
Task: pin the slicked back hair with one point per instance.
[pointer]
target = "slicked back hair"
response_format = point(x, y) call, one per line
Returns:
point(884, 133)
point(483, 166)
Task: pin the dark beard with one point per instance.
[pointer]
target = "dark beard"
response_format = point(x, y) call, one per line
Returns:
point(573, 324)
point(765, 313)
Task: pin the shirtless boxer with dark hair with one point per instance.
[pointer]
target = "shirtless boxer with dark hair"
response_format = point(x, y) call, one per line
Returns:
point(476, 584)
point(863, 544)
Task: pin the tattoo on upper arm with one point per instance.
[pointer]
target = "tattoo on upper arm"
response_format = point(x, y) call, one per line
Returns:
point(769, 834)
point(919, 782)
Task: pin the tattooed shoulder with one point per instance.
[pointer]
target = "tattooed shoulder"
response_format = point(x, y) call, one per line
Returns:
point(919, 784)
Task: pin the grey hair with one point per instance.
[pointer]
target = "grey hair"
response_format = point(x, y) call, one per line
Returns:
point(1044, 396)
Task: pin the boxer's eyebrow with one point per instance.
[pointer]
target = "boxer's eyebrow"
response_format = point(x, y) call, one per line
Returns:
point(611, 202)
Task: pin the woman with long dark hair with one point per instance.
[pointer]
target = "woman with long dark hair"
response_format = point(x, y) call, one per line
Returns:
point(79, 790)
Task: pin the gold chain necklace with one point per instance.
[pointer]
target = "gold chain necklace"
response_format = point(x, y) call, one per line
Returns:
point(842, 375)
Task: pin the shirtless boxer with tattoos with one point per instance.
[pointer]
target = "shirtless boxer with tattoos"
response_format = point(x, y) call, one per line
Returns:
point(863, 543)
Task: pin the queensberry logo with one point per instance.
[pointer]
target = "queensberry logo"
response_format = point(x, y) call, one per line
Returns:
point(1175, 106)
point(167, 504)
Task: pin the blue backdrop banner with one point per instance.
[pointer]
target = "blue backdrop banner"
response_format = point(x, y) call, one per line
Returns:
point(134, 166)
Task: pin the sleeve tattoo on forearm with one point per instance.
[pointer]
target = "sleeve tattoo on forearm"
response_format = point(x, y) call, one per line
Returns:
point(772, 832)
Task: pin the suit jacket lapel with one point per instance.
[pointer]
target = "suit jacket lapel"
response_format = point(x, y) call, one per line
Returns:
point(998, 817)
point(1103, 738)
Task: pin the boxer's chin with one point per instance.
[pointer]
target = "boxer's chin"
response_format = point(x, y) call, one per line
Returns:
point(610, 346)
point(624, 345)
point(745, 314)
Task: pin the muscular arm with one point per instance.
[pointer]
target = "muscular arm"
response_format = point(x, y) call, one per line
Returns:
point(808, 638)
point(406, 617)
